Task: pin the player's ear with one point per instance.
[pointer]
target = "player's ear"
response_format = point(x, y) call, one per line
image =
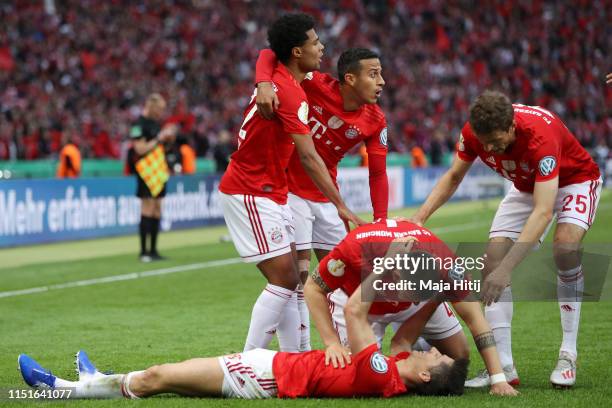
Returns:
point(296, 52)
point(350, 78)
point(424, 376)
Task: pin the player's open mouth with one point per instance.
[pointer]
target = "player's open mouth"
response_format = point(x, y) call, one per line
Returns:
point(378, 93)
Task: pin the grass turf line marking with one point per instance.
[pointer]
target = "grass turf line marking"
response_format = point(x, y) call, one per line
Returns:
point(181, 268)
point(124, 277)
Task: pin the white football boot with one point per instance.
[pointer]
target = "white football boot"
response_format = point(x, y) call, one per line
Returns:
point(564, 374)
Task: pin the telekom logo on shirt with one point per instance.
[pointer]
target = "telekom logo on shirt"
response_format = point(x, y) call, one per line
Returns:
point(318, 129)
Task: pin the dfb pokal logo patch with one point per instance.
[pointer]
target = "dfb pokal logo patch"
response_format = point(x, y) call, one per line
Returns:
point(378, 363)
point(276, 235)
point(547, 165)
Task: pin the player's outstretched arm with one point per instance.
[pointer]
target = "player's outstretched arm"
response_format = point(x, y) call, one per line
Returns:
point(411, 329)
point(359, 332)
point(473, 317)
point(315, 293)
point(443, 190)
point(544, 196)
point(316, 169)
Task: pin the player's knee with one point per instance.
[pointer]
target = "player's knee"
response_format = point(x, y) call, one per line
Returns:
point(150, 381)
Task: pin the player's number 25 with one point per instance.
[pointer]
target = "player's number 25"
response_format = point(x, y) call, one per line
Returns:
point(581, 205)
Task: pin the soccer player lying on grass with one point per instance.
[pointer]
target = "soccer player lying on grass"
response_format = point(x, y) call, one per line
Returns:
point(344, 267)
point(261, 373)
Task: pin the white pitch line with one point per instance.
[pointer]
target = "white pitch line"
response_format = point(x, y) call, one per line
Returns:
point(124, 277)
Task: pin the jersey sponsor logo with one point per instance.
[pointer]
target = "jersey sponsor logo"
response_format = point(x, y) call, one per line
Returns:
point(335, 267)
point(352, 132)
point(276, 235)
point(547, 165)
point(509, 165)
point(491, 160)
point(379, 363)
point(318, 109)
point(335, 122)
point(383, 137)
point(303, 112)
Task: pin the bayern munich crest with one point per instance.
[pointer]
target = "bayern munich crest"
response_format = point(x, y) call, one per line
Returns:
point(276, 235)
point(352, 132)
point(378, 363)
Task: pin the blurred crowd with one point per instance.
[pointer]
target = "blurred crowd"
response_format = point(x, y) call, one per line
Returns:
point(81, 69)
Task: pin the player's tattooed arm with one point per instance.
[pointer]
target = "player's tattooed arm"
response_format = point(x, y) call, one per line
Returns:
point(484, 340)
point(316, 278)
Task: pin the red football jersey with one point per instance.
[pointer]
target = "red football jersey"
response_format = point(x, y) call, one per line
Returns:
point(544, 148)
point(335, 132)
point(357, 249)
point(370, 374)
point(259, 165)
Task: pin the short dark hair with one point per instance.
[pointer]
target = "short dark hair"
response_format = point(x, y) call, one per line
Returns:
point(446, 379)
point(287, 32)
point(491, 111)
point(350, 61)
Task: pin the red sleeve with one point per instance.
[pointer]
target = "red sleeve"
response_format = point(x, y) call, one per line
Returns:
point(293, 109)
point(379, 185)
point(545, 159)
point(264, 68)
point(464, 148)
point(332, 269)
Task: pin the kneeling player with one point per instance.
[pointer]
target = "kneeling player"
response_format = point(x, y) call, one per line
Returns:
point(263, 373)
point(343, 267)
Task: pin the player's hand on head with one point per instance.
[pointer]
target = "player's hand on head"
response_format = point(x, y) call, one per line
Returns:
point(266, 100)
point(337, 355)
point(503, 388)
point(609, 79)
point(494, 284)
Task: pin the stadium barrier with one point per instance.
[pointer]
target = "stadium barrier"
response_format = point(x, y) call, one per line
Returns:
point(39, 211)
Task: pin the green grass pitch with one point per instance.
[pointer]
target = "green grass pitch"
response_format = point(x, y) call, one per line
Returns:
point(131, 324)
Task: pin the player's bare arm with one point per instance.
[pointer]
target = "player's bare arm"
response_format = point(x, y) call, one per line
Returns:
point(411, 329)
point(473, 317)
point(359, 331)
point(544, 195)
point(316, 169)
point(315, 293)
point(443, 190)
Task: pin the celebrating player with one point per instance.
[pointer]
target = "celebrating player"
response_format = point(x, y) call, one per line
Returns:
point(550, 172)
point(342, 113)
point(263, 373)
point(254, 187)
point(347, 264)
